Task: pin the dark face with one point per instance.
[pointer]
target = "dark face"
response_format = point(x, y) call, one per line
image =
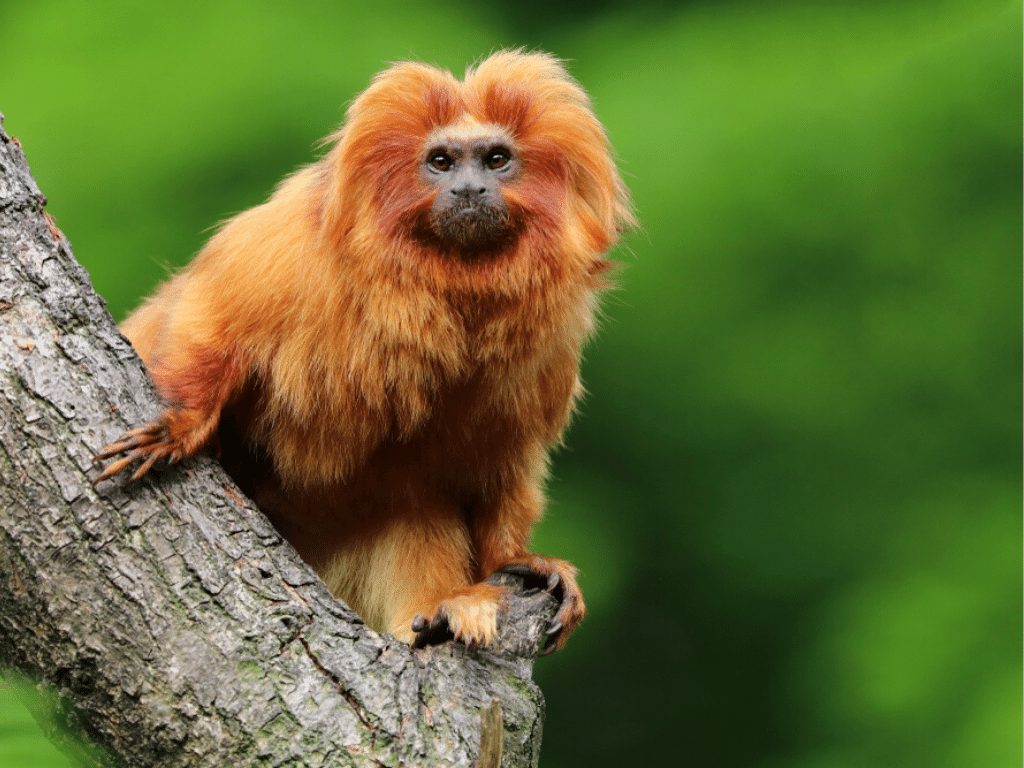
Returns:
point(467, 174)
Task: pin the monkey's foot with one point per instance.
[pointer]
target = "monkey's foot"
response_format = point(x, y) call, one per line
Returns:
point(469, 615)
point(559, 578)
point(146, 444)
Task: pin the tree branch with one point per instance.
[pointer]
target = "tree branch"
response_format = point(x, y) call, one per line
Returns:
point(180, 628)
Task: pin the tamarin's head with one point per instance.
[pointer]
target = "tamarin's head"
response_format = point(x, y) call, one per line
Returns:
point(510, 155)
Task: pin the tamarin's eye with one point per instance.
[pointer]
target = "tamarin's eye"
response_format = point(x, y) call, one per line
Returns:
point(497, 159)
point(440, 161)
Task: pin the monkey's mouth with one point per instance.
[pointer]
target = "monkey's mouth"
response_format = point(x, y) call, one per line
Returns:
point(472, 226)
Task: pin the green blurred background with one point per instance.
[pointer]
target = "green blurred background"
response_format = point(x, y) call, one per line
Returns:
point(795, 489)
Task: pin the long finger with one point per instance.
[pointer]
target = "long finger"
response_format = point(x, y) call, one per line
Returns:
point(154, 456)
point(113, 468)
point(126, 442)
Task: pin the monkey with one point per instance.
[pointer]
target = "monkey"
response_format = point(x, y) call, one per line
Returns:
point(386, 351)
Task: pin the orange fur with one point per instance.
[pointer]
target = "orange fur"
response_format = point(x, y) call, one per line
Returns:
point(388, 404)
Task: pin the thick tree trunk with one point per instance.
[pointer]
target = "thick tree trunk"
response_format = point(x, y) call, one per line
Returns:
point(176, 623)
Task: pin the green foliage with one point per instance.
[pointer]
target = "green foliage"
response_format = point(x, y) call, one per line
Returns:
point(794, 491)
point(21, 743)
point(23, 708)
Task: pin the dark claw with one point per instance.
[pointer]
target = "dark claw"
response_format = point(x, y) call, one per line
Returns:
point(554, 632)
point(531, 579)
point(434, 633)
point(519, 569)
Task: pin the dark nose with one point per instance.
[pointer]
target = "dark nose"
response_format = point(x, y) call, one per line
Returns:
point(470, 192)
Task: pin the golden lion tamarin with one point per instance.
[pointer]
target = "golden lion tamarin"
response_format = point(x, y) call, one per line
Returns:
point(386, 350)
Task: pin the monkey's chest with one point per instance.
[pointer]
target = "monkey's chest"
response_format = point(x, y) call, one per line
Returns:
point(440, 469)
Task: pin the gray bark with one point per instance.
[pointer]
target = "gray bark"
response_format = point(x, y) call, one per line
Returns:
point(178, 627)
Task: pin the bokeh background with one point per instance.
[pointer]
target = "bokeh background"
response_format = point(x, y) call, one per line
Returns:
point(795, 489)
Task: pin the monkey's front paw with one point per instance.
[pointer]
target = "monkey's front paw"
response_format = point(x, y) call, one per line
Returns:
point(559, 578)
point(146, 444)
point(470, 615)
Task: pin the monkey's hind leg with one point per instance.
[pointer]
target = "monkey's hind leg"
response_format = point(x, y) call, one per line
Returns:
point(414, 579)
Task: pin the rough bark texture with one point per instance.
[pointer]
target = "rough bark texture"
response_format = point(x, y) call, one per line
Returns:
point(179, 627)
